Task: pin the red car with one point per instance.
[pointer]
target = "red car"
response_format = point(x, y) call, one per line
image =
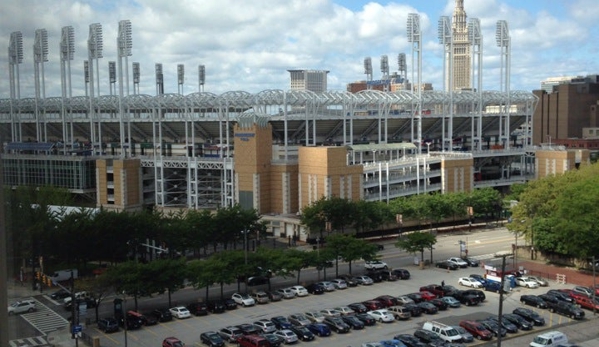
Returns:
point(372, 305)
point(476, 329)
point(435, 289)
point(172, 342)
point(387, 300)
point(585, 301)
point(427, 296)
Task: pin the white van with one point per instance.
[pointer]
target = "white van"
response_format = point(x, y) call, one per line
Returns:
point(64, 275)
point(549, 339)
point(445, 332)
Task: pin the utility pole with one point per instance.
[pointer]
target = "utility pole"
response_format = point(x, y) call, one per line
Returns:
point(74, 317)
point(500, 313)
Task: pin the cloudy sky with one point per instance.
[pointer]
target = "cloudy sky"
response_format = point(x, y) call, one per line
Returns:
point(250, 45)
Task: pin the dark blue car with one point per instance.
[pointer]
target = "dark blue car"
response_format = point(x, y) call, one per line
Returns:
point(492, 286)
point(319, 329)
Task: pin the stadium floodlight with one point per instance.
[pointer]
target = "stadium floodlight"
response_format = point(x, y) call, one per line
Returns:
point(502, 35)
point(95, 42)
point(15, 48)
point(368, 66)
point(136, 72)
point(124, 39)
point(385, 65)
point(86, 71)
point(413, 27)
point(474, 32)
point(444, 30)
point(202, 74)
point(112, 71)
point(67, 43)
point(401, 62)
point(180, 73)
point(40, 46)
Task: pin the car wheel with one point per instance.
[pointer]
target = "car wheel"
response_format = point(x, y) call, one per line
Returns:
point(539, 306)
point(479, 337)
point(11, 313)
point(30, 310)
point(551, 309)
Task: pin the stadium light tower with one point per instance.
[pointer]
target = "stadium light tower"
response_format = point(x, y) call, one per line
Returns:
point(385, 71)
point(445, 33)
point(95, 48)
point(475, 37)
point(136, 75)
point(67, 52)
point(368, 71)
point(201, 77)
point(502, 37)
point(15, 57)
point(180, 78)
point(415, 38)
point(40, 55)
point(402, 68)
point(124, 44)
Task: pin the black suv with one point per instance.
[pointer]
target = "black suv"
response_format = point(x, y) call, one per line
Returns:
point(216, 306)
point(429, 337)
point(568, 309)
point(198, 308)
point(402, 274)
point(162, 314)
point(466, 298)
point(108, 325)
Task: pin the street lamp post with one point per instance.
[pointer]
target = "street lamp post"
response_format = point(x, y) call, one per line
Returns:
point(245, 245)
point(399, 220)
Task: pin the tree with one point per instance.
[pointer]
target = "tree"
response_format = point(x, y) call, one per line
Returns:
point(417, 242)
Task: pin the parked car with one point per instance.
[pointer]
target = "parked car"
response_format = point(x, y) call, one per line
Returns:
point(493, 327)
point(478, 293)
point(471, 261)
point(518, 321)
point(230, 304)
point(400, 312)
point(588, 291)
point(530, 316)
point(281, 322)
point(526, 282)
point(466, 336)
point(440, 304)
point(132, 322)
point(404, 299)
point(429, 337)
point(243, 299)
point(417, 297)
point(327, 285)
point(345, 310)
point(302, 333)
point(180, 312)
point(469, 282)
point(286, 293)
point(315, 316)
point(108, 325)
point(163, 315)
point(479, 278)
point(315, 288)
point(260, 297)
point(375, 265)
point(146, 319)
point(451, 301)
point(339, 283)
point(533, 300)
point(198, 308)
point(212, 339)
point(401, 274)
point(366, 319)
point(428, 308)
point(349, 279)
point(445, 264)
point(466, 298)
point(330, 312)
point(586, 302)
point(510, 327)
point(336, 324)
point(373, 305)
point(172, 342)
point(568, 309)
point(265, 325)
point(364, 280)
point(299, 291)
point(353, 322)
point(476, 329)
point(387, 300)
point(435, 289)
point(540, 281)
point(216, 306)
point(249, 329)
point(298, 319)
point(60, 294)
point(358, 307)
point(274, 296)
point(320, 329)
point(386, 275)
point(493, 286)
point(458, 261)
point(287, 335)
point(426, 295)
point(230, 334)
point(409, 340)
point(415, 310)
point(23, 306)
point(253, 341)
point(560, 295)
point(273, 340)
point(382, 315)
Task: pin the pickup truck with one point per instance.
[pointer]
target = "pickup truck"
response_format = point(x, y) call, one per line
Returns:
point(567, 309)
point(435, 289)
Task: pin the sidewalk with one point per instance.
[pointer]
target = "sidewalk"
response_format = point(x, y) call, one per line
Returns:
point(16, 290)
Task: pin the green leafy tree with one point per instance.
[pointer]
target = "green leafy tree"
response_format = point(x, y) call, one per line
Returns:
point(417, 242)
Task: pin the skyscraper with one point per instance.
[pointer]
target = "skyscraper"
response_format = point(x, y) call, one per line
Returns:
point(461, 48)
point(312, 80)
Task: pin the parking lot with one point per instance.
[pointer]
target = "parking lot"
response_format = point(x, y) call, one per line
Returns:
point(188, 330)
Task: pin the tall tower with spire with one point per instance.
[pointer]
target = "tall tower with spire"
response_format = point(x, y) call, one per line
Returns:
point(461, 48)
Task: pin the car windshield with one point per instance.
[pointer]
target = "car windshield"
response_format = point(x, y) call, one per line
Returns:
point(541, 340)
point(452, 332)
point(214, 337)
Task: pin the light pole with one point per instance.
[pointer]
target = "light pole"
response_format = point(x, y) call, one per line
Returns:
point(428, 148)
point(245, 244)
point(318, 255)
point(399, 220)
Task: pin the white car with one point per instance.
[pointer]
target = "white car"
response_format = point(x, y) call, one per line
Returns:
point(180, 312)
point(526, 282)
point(328, 286)
point(382, 316)
point(330, 312)
point(345, 311)
point(339, 283)
point(470, 282)
point(315, 316)
point(287, 335)
point(287, 293)
point(243, 299)
point(78, 295)
point(458, 261)
point(375, 265)
point(299, 290)
point(21, 307)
